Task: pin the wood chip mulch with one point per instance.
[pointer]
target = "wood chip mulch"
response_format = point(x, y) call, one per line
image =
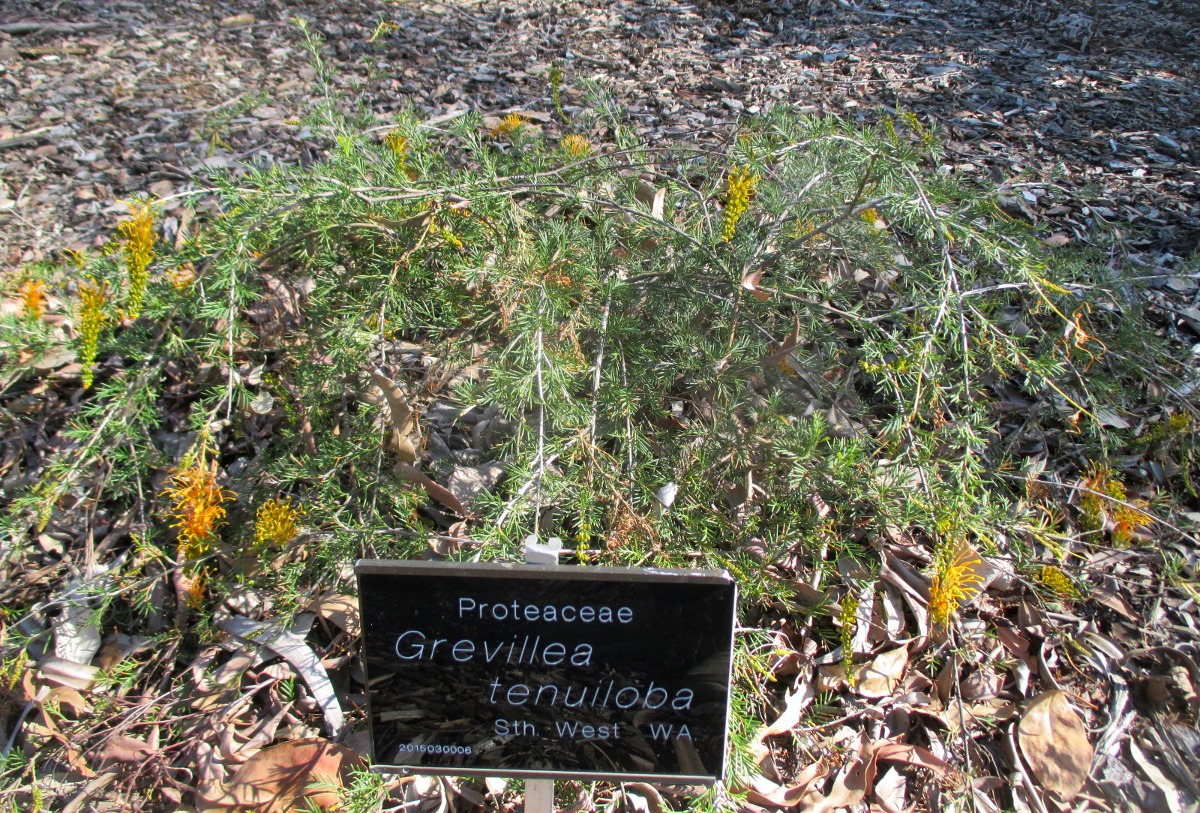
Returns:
point(1087, 113)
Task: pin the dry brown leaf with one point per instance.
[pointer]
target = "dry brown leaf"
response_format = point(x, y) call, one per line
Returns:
point(911, 755)
point(793, 707)
point(881, 676)
point(763, 791)
point(339, 610)
point(435, 490)
point(300, 655)
point(890, 791)
point(1054, 743)
point(68, 698)
point(123, 748)
point(403, 425)
point(779, 354)
point(850, 786)
point(275, 779)
point(59, 672)
point(654, 800)
point(751, 282)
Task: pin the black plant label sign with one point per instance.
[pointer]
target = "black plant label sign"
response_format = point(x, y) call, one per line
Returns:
point(569, 672)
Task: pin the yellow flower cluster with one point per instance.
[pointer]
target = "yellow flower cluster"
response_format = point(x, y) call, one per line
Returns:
point(275, 523)
point(508, 125)
point(917, 127)
point(1054, 579)
point(737, 199)
point(77, 258)
point(899, 365)
point(138, 232)
point(92, 296)
point(576, 146)
point(849, 619)
point(33, 299)
point(197, 505)
point(1178, 424)
point(398, 144)
point(955, 579)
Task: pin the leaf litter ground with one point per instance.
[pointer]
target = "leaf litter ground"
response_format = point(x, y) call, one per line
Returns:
point(1059, 688)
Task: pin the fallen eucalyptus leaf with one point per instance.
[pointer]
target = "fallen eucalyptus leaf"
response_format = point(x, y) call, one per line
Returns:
point(468, 482)
point(276, 779)
point(850, 786)
point(794, 705)
point(1054, 743)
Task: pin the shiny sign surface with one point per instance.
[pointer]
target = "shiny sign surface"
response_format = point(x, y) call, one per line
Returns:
point(518, 670)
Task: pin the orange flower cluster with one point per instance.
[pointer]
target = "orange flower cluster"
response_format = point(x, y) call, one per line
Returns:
point(1105, 499)
point(508, 125)
point(197, 506)
point(181, 276)
point(33, 299)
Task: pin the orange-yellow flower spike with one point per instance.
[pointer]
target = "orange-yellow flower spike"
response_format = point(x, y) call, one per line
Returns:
point(955, 580)
point(138, 233)
point(197, 506)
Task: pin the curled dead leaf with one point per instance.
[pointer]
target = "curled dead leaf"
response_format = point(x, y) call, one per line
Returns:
point(911, 755)
point(404, 428)
point(881, 676)
point(751, 282)
point(339, 610)
point(852, 781)
point(435, 490)
point(123, 748)
point(794, 705)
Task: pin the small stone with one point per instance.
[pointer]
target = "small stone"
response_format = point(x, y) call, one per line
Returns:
point(237, 21)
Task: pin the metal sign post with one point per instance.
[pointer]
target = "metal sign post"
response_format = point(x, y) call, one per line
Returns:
point(539, 793)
